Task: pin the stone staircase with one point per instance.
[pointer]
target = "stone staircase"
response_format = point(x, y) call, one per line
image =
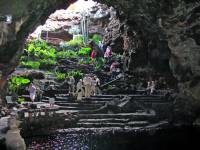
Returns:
point(95, 113)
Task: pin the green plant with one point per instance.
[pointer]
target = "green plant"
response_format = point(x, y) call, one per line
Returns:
point(20, 100)
point(47, 62)
point(66, 54)
point(31, 64)
point(78, 41)
point(40, 49)
point(60, 76)
point(75, 74)
point(84, 51)
point(16, 82)
point(87, 60)
point(96, 38)
point(99, 63)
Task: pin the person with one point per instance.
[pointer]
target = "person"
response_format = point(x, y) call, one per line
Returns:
point(32, 91)
point(152, 88)
point(87, 85)
point(79, 90)
point(148, 87)
point(71, 83)
point(126, 62)
point(93, 85)
point(113, 69)
point(97, 88)
point(108, 53)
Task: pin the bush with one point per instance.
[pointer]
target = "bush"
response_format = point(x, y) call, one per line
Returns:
point(40, 49)
point(96, 38)
point(75, 74)
point(16, 82)
point(60, 76)
point(30, 64)
point(78, 41)
point(66, 54)
point(84, 51)
point(87, 61)
point(20, 100)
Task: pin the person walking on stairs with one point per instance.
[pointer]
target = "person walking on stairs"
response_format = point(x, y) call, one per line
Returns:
point(71, 83)
point(97, 87)
point(87, 85)
point(79, 90)
point(32, 90)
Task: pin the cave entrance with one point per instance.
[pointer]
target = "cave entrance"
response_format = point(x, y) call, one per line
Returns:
point(69, 44)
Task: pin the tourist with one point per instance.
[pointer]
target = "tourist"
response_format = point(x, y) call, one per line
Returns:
point(126, 57)
point(71, 83)
point(113, 70)
point(93, 85)
point(79, 90)
point(152, 87)
point(32, 91)
point(87, 85)
point(108, 53)
point(97, 88)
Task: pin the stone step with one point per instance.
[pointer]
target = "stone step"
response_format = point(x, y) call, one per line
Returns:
point(105, 120)
point(78, 104)
point(133, 116)
point(82, 102)
point(112, 124)
point(78, 108)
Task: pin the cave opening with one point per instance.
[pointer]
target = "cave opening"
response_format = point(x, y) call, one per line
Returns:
point(100, 69)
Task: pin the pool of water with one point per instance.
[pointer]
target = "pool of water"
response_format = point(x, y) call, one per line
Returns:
point(168, 139)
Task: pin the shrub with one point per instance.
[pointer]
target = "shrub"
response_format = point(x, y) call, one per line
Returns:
point(78, 41)
point(20, 100)
point(60, 76)
point(84, 51)
point(40, 49)
point(66, 54)
point(99, 63)
point(16, 82)
point(96, 38)
point(30, 64)
point(87, 60)
point(75, 74)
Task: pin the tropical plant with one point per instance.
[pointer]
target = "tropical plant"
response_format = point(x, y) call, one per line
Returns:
point(99, 63)
point(66, 54)
point(47, 62)
point(40, 49)
point(16, 82)
point(20, 100)
point(78, 41)
point(75, 74)
point(30, 64)
point(60, 76)
point(84, 51)
point(96, 38)
point(87, 60)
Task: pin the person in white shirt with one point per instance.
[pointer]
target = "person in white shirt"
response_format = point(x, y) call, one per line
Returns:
point(71, 83)
point(32, 91)
point(79, 90)
point(87, 85)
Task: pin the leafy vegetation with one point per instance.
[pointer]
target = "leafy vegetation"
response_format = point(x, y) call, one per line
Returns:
point(60, 76)
point(75, 74)
point(84, 51)
point(96, 38)
point(99, 63)
point(85, 61)
point(66, 54)
point(78, 41)
point(30, 64)
point(40, 49)
point(16, 82)
point(20, 100)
